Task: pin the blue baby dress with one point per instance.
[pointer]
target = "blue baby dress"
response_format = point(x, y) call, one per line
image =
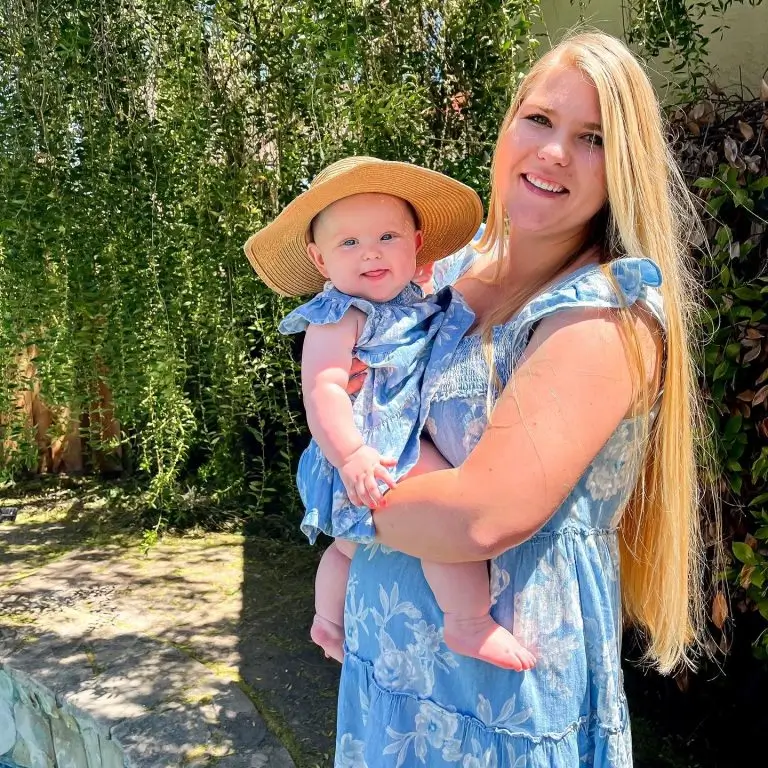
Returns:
point(405, 699)
point(407, 343)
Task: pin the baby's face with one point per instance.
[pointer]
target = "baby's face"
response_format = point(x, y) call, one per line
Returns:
point(366, 245)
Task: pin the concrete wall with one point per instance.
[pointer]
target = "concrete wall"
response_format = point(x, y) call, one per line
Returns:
point(740, 56)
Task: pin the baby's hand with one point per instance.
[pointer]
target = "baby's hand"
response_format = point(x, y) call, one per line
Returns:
point(359, 474)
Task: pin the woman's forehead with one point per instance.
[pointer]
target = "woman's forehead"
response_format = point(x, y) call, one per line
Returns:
point(565, 91)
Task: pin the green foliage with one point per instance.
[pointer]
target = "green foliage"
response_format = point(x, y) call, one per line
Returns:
point(141, 143)
point(736, 355)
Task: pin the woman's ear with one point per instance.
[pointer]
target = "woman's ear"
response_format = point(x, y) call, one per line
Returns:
point(317, 259)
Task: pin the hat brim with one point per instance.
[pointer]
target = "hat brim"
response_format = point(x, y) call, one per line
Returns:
point(449, 215)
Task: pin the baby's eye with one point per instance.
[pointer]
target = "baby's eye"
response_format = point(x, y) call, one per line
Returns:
point(387, 236)
point(350, 241)
point(539, 119)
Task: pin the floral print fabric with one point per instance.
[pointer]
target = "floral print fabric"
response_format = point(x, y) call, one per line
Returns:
point(405, 699)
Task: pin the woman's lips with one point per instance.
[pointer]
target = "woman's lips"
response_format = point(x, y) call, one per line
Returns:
point(556, 190)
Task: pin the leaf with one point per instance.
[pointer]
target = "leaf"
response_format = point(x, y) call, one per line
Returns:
point(719, 610)
point(731, 150)
point(746, 130)
point(753, 354)
point(744, 553)
point(760, 396)
point(745, 576)
point(707, 183)
point(763, 91)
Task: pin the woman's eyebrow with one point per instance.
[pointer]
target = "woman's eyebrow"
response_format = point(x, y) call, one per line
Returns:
point(553, 112)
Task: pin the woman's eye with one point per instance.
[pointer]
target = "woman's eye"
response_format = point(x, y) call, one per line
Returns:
point(594, 140)
point(539, 119)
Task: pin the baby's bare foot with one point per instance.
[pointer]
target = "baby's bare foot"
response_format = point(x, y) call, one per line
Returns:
point(482, 638)
point(329, 636)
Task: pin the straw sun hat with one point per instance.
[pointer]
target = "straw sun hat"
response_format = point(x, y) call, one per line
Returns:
point(449, 214)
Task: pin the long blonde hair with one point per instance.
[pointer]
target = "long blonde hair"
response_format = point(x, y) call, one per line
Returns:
point(649, 213)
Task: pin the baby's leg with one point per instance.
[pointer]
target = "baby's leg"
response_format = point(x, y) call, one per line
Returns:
point(463, 593)
point(330, 589)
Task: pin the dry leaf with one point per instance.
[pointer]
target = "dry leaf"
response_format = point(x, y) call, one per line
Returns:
point(750, 541)
point(762, 428)
point(760, 396)
point(753, 354)
point(753, 162)
point(763, 91)
point(731, 150)
point(719, 610)
point(703, 113)
point(693, 127)
point(745, 577)
point(762, 377)
point(746, 396)
point(746, 130)
point(753, 333)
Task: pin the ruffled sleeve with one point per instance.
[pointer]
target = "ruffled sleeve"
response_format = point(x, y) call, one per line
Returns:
point(327, 308)
point(638, 280)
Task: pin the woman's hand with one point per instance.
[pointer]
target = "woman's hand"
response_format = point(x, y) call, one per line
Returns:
point(357, 374)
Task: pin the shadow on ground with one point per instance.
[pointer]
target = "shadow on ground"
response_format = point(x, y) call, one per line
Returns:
point(185, 636)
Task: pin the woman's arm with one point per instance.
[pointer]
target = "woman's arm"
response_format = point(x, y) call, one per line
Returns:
point(570, 392)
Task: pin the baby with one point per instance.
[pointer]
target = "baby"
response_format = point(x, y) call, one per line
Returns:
point(350, 230)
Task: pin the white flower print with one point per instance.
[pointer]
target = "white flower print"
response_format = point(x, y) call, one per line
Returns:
point(480, 759)
point(499, 581)
point(612, 472)
point(473, 431)
point(403, 670)
point(514, 760)
point(434, 728)
point(351, 753)
point(428, 638)
point(507, 718)
point(355, 614)
point(435, 725)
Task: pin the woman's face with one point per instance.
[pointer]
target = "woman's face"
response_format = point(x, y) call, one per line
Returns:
point(550, 169)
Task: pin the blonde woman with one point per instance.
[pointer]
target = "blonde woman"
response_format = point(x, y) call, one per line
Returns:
point(573, 450)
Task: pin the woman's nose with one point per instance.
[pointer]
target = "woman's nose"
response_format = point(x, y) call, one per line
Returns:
point(554, 151)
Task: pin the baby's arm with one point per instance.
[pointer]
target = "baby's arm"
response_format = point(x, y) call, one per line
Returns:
point(325, 364)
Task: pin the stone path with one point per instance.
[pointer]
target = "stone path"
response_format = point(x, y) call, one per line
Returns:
point(152, 646)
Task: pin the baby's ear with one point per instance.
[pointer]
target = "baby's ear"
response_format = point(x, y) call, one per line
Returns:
point(423, 276)
point(418, 240)
point(317, 259)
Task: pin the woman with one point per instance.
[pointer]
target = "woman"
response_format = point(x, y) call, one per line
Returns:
point(575, 471)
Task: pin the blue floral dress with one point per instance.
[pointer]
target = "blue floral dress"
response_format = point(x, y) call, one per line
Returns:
point(405, 699)
point(407, 343)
